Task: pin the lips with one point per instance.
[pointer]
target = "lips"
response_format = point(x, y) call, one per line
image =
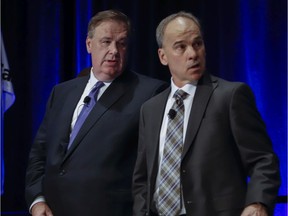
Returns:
point(111, 62)
point(194, 65)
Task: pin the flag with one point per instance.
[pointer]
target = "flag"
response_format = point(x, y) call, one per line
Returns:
point(7, 99)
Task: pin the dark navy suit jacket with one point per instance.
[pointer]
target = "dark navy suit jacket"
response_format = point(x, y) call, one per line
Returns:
point(94, 176)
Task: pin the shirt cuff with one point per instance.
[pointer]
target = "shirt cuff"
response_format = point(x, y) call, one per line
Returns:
point(37, 200)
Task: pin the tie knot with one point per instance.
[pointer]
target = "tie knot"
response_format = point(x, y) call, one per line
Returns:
point(99, 84)
point(180, 94)
point(94, 92)
point(96, 87)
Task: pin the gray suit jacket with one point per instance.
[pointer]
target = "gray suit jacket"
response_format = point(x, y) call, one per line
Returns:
point(94, 176)
point(226, 142)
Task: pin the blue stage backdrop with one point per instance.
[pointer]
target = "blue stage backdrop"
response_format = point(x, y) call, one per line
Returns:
point(45, 43)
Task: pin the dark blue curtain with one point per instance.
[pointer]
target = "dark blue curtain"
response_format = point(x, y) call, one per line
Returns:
point(45, 44)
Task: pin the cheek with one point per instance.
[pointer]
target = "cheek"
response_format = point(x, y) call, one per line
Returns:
point(203, 59)
point(123, 55)
point(97, 57)
point(176, 67)
point(202, 54)
point(177, 61)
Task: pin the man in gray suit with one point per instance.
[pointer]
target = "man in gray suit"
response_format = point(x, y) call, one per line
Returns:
point(91, 173)
point(219, 133)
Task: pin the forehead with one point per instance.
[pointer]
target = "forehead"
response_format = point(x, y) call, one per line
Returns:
point(112, 27)
point(181, 27)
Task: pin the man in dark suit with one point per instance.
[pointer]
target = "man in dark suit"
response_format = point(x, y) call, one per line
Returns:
point(223, 139)
point(91, 174)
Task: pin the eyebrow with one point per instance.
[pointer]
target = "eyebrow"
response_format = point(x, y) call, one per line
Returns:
point(105, 38)
point(178, 42)
point(110, 38)
point(194, 39)
point(198, 38)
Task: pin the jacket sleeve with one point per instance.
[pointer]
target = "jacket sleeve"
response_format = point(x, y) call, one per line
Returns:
point(37, 159)
point(140, 175)
point(255, 147)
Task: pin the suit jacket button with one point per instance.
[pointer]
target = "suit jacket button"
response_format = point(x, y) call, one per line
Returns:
point(62, 172)
point(184, 171)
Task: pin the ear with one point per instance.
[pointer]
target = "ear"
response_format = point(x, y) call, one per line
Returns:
point(88, 44)
point(162, 56)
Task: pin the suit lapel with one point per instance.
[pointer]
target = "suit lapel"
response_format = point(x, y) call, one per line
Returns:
point(202, 96)
point(112, 94)
point(157, 117)
point(69, 105)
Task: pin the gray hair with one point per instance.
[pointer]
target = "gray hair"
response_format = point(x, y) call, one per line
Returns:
point(107, 15)
point(163, 24)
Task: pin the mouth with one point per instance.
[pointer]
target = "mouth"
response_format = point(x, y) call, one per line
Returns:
point(111, 62)
point(195, 65)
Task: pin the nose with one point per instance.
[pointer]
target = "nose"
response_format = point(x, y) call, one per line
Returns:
point(192, 53)
point(113, 48)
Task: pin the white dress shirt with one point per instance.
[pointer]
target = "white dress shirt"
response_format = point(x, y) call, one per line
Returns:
point(91, 83)
point(190, 89)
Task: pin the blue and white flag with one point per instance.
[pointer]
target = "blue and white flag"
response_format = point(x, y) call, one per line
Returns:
point(7, 99)
point(8, 96)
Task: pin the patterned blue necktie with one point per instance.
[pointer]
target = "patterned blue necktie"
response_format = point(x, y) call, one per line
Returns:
point(92, 99)
point(169, 197)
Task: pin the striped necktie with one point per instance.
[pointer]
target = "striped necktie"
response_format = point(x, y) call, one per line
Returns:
point(169, 197)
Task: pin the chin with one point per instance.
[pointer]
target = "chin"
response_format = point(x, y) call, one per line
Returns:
point(112, 74)
point(196, 76)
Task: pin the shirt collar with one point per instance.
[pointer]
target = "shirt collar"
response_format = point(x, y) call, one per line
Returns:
point(93, 80)
point(189, 88)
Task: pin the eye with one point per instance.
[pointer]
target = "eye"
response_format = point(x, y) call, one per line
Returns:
point(197, 44)
point(180, 47)
point(123, 43)
point(105, 42)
